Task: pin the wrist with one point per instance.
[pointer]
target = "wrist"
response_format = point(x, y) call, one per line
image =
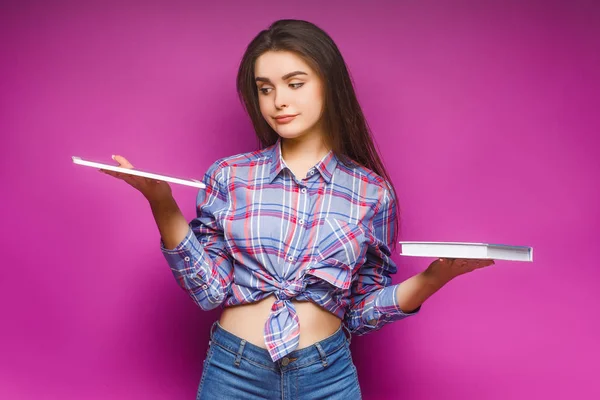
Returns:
point(434, 279)
point(162, 203)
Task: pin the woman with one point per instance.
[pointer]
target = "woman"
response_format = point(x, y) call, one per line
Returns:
point(294, 240)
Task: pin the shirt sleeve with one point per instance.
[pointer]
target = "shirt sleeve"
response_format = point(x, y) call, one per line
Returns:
point(201, 263)
point(373, 301)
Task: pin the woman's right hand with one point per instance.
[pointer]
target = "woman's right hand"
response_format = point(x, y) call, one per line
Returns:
point(154, 191)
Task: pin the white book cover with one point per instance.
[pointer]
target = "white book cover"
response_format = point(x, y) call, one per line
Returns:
point(466, 250)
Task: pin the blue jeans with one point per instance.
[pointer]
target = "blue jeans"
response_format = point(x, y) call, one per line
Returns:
point(236, 369)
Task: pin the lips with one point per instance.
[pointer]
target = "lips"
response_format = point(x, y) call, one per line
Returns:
point(284, 119)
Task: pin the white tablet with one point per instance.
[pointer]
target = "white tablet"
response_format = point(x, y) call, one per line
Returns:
point(137, 172)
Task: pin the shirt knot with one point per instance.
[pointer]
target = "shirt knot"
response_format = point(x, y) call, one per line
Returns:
point(287, 290)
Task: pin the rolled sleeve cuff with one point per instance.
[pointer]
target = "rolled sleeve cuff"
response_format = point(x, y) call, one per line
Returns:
point(182, 258)
point(190, 267)
point(386, 308)
point(185, 242)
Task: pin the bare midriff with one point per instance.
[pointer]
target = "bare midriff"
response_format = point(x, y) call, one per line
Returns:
point(248, 321)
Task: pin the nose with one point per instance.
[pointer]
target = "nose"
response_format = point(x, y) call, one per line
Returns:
point(281, 99)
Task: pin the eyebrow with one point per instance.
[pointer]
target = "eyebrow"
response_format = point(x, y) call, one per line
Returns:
point(286, 76)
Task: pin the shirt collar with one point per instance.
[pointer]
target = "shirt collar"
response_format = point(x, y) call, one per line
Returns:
point(326, 166)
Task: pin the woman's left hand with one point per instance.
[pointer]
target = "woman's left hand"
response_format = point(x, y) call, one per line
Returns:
point(443, 270)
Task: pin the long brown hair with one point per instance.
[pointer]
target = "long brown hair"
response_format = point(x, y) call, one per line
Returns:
point(347, 130)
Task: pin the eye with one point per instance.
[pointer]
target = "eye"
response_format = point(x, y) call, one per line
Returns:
point(265, 90)
point(296, 85)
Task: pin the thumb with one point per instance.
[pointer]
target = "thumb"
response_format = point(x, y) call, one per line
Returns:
point(122, 161)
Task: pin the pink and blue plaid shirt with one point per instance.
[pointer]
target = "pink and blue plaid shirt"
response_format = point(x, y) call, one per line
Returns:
point(325, 238)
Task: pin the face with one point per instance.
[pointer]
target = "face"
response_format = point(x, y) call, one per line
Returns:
point(287, 86)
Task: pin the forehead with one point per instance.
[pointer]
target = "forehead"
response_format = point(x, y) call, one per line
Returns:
point(275, 64)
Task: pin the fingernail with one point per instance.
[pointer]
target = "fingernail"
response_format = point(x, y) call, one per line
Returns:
point(113, 156)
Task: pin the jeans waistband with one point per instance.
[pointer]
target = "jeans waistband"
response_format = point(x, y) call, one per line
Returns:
point(316, 352)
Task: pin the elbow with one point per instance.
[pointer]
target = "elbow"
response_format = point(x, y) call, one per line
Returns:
point(206, 297)
point(207, 305)
point(208, 302)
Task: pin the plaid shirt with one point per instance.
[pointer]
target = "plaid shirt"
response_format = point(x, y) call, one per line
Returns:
point(260, 230)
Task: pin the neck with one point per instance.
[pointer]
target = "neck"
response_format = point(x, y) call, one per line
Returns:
point(305, 149)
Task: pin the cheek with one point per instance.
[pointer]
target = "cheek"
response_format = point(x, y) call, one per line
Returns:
point(263, 105)
point(315, 104)
point(316, 99)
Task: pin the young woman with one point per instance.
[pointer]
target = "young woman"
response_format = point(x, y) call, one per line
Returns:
point(294, 240)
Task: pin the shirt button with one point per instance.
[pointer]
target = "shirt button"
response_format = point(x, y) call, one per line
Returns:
point(285, 361)
point(301, 222)
point(311, 172)
point(290, 258)
point(187, 259)
point(303, 190)
point(204, 286)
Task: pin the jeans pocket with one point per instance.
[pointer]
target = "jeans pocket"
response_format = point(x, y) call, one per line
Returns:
point(356, 384)
point(336, 381)
point(205, 365)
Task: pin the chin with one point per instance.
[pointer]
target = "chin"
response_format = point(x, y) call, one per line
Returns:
point(293, 132)
point(290, 135)
point(290, 132)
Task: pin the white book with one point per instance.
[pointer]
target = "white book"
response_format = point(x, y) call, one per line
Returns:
point(137, 172)
point(467, 250)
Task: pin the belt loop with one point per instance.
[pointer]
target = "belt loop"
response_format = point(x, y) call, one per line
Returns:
point(349, 333)
point(212, 329)
point(238, 357)
point(322, 354)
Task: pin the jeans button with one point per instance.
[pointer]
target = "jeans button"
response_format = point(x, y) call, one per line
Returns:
point(285, 361)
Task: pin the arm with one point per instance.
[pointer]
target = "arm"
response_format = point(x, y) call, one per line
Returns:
point(415, 290)
point(197, 252)
point(374, 301)
point(170, 221)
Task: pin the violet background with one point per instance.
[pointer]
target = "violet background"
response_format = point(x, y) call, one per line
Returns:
point(485, 113)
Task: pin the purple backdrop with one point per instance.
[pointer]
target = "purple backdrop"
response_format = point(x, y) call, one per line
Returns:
point(485, 112)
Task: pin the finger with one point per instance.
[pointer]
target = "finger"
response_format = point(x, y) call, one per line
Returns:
point(111, 173)
point(122, 161)
point(125, 177)
point(465, 264)
point(118, 175)
point(130, 179)
point(151, 181)
point(483, 263)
